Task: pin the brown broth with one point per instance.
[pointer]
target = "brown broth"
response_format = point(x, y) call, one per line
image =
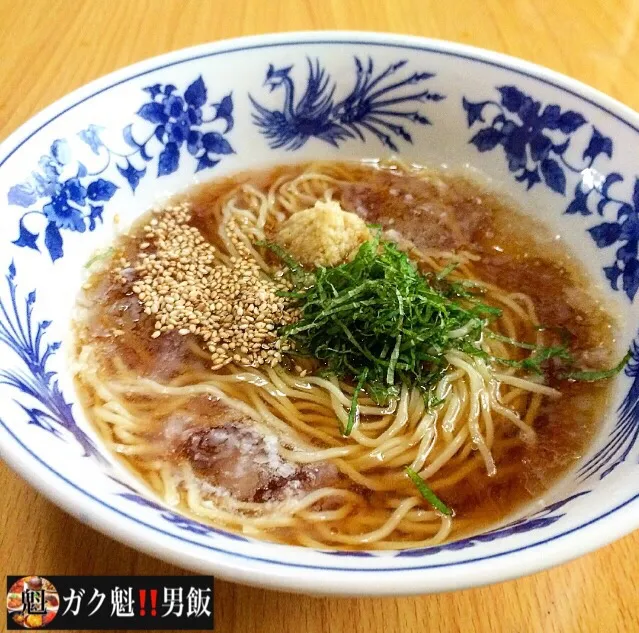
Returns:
point(449, 213)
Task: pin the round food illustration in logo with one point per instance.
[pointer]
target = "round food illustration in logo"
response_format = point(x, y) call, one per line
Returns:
point(32, 602)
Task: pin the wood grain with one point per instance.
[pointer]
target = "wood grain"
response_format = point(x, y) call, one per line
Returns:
point(49, 47)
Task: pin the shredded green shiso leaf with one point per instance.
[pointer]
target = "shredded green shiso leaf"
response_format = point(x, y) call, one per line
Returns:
point(380, 323)
point(427, 493)
point(593, 376)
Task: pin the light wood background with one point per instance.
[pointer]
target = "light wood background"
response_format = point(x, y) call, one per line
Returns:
point(50, 47)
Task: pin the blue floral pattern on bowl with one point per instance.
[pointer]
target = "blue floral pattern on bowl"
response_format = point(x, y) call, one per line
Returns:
point(537, 142)
point(625, 433)
point(26, 338)
point(70, 197)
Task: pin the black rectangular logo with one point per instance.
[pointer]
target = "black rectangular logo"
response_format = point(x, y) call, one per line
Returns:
point(143, 603)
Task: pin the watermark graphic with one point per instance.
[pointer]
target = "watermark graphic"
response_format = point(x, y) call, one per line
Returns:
point(76, 603)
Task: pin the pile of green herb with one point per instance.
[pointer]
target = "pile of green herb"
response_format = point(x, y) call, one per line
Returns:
point(379, 322)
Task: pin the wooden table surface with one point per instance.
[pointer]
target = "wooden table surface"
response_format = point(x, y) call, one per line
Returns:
point(50, 47)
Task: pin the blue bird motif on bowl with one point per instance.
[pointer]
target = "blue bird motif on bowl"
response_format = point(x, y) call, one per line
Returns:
point(374, 106)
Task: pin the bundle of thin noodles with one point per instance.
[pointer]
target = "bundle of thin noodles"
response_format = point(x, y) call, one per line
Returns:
point(257, 444)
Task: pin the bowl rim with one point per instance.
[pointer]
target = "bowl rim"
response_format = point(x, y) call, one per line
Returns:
point(279, 574)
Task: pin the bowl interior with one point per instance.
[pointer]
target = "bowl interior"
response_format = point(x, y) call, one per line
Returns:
point(90, 164)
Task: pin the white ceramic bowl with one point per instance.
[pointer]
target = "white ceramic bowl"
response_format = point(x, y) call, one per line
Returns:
point(565, 152)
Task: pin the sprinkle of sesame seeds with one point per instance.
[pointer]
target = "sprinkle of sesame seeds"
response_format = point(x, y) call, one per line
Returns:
point(186, 287)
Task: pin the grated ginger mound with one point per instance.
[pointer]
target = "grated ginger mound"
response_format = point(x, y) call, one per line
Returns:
point(324, 235)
